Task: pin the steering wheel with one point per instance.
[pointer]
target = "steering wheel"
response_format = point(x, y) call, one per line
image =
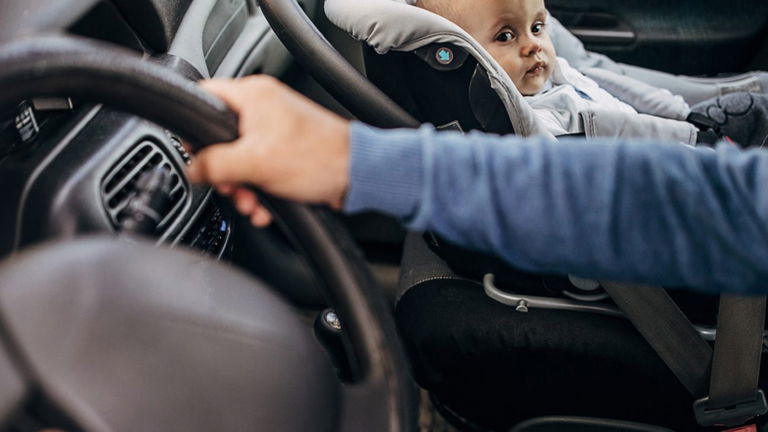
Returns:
point(383, 397)
point(334, 73)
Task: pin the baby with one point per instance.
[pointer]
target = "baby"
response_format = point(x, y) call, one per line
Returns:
point(512, 31)
point(514, 34)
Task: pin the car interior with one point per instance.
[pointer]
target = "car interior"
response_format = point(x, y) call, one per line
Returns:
point(133, 299)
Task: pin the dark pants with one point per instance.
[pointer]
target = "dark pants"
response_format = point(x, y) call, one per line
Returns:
point(743, 117)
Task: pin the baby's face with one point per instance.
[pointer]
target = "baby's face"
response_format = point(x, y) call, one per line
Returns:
point(512, 31)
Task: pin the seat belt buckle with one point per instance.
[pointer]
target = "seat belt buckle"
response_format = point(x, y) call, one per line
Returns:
point(730, 416)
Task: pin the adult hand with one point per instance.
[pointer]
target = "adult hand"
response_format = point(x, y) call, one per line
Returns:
point(289, 147)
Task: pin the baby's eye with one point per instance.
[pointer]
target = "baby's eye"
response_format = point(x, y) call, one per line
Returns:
point(505, 36)
point(537, 28)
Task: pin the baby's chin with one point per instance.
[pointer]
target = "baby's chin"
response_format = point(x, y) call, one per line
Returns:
point(531, 90)
point(533, 85)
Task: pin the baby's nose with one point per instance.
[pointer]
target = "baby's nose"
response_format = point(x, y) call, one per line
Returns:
point(531, 46)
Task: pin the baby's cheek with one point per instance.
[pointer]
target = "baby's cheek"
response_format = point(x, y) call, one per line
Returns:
point(514, 70)
point(548, 75)
point(520, 84)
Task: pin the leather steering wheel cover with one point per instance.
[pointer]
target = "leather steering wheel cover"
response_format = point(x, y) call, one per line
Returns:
point(100, 72)
point(380, 368)
point(330, 69)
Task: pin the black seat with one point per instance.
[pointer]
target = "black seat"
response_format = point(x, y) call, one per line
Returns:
point(488, 366)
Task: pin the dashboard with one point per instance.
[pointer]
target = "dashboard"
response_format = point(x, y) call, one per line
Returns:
point(70, 168)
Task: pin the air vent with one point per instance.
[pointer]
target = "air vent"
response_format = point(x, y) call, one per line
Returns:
point(119, 185)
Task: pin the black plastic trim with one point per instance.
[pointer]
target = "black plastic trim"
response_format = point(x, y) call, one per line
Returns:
point(224, 25)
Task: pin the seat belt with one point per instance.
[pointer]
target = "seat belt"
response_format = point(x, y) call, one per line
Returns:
point(734, 396)
point(731, 372)
point(669, 332)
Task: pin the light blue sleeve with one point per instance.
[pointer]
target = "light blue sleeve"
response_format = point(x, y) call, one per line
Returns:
point(646, 212)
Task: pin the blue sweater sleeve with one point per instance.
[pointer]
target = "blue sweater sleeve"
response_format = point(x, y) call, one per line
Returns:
point(647, 212)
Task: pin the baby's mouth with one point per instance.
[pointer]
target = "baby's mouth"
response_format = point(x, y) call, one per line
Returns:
point(537, 68)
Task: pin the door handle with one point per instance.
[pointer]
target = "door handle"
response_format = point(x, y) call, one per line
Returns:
point(596, 27)
point(603, 36)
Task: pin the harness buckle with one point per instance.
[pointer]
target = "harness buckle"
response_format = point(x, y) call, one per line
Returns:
point(730, 416)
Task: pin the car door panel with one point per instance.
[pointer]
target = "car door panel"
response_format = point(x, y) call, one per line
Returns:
point(697, 37)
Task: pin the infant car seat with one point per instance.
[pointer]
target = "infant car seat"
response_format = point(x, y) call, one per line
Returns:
point(434, 69)
point(486, 364)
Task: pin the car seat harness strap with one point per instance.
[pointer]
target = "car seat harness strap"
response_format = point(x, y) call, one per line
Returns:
point(724, 381)
point(669, 332)
point(734, 396)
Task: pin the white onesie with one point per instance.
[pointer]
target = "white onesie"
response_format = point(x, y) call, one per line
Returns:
point(569, 94)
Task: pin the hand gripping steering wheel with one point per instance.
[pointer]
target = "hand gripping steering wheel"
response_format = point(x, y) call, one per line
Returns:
point(382, 394)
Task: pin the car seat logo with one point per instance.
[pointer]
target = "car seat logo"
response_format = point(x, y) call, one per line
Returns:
point(444, 55)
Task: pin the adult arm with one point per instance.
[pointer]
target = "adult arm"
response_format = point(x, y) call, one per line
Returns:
point(643, 212)
point(631, 211)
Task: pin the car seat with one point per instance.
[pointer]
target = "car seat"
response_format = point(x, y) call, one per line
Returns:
point(554, 361)
point(450, 80)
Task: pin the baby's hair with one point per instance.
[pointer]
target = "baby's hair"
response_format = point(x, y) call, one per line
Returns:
point(444, 8)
